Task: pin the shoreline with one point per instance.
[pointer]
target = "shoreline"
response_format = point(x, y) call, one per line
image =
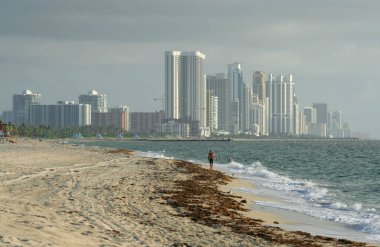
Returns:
point(59, 194)
point(287, 219)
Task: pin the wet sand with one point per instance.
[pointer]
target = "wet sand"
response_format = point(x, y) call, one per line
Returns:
point(63, 195)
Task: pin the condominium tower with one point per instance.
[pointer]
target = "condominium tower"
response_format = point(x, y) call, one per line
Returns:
point(218, 83)
point(21, 104)
point(97, 101)
point(238, 96)
point(283, 105)
point(185, 87)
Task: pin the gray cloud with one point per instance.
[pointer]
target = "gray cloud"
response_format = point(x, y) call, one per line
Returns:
point(64, 48)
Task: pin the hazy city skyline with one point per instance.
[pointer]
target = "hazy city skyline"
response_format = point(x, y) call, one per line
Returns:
point(62, 49)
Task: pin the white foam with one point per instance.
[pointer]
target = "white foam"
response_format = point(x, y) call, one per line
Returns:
point(150, 154)
point(339, 205)
point(307, 197)
point(356, 207)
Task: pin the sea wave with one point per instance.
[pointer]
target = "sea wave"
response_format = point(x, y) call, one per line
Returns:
point(307, 197)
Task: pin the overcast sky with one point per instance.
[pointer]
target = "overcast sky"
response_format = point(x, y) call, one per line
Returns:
point(61, 49)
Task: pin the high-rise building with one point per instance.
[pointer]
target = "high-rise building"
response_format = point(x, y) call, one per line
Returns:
point(219, 85)
point(296, 121)
point(269, 95)
point(322, 113)
point(322, 117)
point(7, 117)
point(97, 101)
point(146, 122)
point(310, 115)
point(212, 111)
point(238, 95)
point(256, 112)
point(337, 119)
point(126, 116)
point(21, 103)
point(283, 105)
point(336, 124)
point(185, 87)
point(260, 91)
point(259, 86)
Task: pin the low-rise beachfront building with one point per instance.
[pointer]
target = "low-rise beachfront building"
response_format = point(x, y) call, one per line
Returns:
point(176, 129)
point(116, 120)
point(3, 130)
point(64, 114)
point(126, 116)
point(146, 122)
point(318, 129)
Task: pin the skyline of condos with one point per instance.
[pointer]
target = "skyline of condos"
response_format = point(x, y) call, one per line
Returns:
point(20, 106)
point(185, 88)
point(96, 100)
point(218, 104)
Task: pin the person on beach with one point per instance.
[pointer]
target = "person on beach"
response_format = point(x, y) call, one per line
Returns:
point(211, 157)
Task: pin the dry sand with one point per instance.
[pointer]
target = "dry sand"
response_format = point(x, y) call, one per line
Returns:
point(53, 194)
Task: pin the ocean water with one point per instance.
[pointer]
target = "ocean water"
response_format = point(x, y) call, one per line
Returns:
point(333, 180)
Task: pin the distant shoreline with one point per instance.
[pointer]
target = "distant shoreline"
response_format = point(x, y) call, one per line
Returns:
point(218, 140)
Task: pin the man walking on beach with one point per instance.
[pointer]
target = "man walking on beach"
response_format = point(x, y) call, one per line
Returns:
point(211, 157)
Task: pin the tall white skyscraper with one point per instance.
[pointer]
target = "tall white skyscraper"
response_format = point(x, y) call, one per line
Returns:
point(21, 104)
point(259, 89)
point(212, 111)
point(269, 95)
point(185, 87)
point(97, 101)
point(283, 105)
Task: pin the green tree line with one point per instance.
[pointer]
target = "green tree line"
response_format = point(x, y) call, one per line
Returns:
point(42, 131)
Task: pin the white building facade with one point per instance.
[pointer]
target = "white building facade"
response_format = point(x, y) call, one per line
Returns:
point(65, 114)
point(21, 103)
point(283, 105)
point(185, 87)
point(96, 100)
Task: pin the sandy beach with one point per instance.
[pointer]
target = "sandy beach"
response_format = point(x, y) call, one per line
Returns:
point(55, 194)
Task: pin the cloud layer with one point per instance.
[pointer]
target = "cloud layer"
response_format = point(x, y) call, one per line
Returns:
point(63, 48)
